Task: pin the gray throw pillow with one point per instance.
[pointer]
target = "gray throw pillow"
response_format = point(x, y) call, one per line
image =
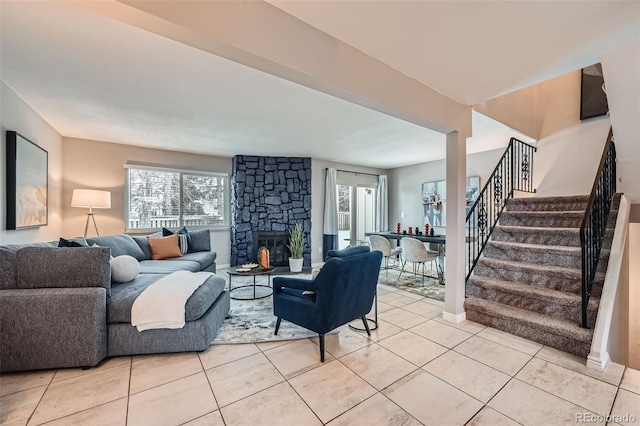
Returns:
point(201, 240)
point(120, 244)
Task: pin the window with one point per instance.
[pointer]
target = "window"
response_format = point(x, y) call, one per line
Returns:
point(156, 198)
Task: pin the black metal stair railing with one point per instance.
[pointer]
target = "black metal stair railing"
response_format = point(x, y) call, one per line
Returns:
point(514, 172)
point(594, 223)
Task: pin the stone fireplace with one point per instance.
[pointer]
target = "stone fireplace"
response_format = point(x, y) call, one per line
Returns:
point(269, 196)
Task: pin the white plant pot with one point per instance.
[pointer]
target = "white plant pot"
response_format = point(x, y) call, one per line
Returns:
point(295, 265)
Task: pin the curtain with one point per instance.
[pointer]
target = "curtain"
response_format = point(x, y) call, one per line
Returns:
point(382, 205)
point(330, 230)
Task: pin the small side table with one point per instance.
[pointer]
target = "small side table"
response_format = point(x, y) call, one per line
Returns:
point(233, 272)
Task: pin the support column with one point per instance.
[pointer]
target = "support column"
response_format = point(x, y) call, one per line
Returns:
point(456, 215)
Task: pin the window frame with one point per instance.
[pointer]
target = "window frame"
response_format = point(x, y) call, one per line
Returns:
point(226, 195)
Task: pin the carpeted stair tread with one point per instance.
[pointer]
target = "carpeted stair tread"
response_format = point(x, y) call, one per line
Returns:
point(558, 326)
point(535, 247)
point(546, 294)
point(577, 202)
point(537, 235)
point(538, 219)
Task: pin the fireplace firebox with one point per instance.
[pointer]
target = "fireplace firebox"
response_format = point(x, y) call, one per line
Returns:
point(276, 243)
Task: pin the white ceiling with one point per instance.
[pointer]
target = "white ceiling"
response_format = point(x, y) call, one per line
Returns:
point(95, 78)
point(473, 51)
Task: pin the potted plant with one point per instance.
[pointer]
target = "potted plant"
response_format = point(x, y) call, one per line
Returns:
point(296, 247)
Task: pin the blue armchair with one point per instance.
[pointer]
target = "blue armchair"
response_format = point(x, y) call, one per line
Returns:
point(342, 291)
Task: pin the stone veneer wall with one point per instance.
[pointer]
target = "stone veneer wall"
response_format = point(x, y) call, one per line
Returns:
point(268, 194)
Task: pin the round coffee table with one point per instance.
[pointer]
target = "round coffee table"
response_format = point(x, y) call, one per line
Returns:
point(233, 272)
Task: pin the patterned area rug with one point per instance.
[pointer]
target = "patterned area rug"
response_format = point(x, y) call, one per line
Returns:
point(252, 321)
point(413, 283)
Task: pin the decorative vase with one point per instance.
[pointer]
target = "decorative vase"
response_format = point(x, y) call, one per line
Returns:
point(426, 229)
point(263, 258)
point(295, 265)
point(398, 228)
point(410, 230)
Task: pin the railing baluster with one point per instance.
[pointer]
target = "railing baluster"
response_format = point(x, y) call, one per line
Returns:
point(485, 212)
point(594, 223)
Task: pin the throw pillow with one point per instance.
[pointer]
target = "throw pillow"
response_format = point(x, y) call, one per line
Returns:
point(164, 247)
point(184, 241)
point(124, 269)
point(75, 242)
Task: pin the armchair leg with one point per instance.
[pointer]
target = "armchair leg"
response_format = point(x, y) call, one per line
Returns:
point(321, 347)
point(275, 333)
point(366, 325)
point(401, 270)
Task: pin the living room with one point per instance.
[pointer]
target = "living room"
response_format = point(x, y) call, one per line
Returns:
point(94, 116)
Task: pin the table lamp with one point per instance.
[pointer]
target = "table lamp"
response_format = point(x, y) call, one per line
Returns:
point(91, 199)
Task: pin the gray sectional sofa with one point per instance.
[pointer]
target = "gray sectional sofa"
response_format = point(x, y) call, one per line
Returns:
point(59, 308)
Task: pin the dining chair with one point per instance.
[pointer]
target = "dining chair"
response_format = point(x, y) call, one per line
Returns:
point(379, 243)
point(414, 251)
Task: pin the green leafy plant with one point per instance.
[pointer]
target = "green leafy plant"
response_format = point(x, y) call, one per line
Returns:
point(296, 242)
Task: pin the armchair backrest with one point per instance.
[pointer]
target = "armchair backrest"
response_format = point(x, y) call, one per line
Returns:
point(347, 252)
point(348, 286)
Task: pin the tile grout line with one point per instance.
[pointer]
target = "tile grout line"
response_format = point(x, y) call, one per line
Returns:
point(212, 392)
point(41, 397)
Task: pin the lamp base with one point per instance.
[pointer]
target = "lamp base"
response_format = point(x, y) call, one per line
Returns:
point(86, 225)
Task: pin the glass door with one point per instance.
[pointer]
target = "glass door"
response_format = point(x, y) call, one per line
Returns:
point(356, 213)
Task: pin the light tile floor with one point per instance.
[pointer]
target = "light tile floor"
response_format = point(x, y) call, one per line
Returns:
point(415, 369)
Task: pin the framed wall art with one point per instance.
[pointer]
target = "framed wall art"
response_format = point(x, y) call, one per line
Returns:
point(27, 183)
point(434, 199)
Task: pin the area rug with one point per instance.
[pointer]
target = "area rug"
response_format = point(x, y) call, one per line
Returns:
point(252, 321)
point(413, 283)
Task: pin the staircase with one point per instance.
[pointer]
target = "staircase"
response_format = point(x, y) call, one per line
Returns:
point(528, 280)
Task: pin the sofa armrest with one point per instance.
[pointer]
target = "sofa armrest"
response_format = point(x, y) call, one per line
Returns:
point(52, 328)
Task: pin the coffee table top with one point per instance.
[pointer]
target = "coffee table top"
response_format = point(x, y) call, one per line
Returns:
point(254, 271)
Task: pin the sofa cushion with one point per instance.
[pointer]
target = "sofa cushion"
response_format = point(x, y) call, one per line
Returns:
point(123, 296)
point(119, 244)
point(49, 267)
point(165, 247)
point(186, 246)
point(204, 258)
point(143, 243)
point(15, 247)
point(168, 266)
point(73, 242)
point(201, 240)
point(7, 269)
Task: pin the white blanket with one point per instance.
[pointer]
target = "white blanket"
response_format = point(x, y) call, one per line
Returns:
point(162, 304)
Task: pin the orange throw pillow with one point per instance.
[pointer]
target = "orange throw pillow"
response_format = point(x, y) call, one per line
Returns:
point(164, 247)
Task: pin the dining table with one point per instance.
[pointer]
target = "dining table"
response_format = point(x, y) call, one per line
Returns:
point(437, 239)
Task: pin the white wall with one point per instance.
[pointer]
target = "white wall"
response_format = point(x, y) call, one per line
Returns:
point(622, 79)
point(405, 185)
point(318, 176)
point(566, 162)
point(16, 115)
point(99, 165)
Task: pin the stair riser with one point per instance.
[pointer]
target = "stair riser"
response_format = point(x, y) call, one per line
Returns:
point(537, 257)
point(521, 205)
point(548, 221)
point(569, 284)
point(521, 329)
point(550, 237)
point(547, 307)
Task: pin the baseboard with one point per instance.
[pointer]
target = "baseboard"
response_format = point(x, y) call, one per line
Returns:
point(453, 317)
point(598, 361)
point(225, 266)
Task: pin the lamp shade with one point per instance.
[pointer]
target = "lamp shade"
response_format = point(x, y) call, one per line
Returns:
point(91, 198)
